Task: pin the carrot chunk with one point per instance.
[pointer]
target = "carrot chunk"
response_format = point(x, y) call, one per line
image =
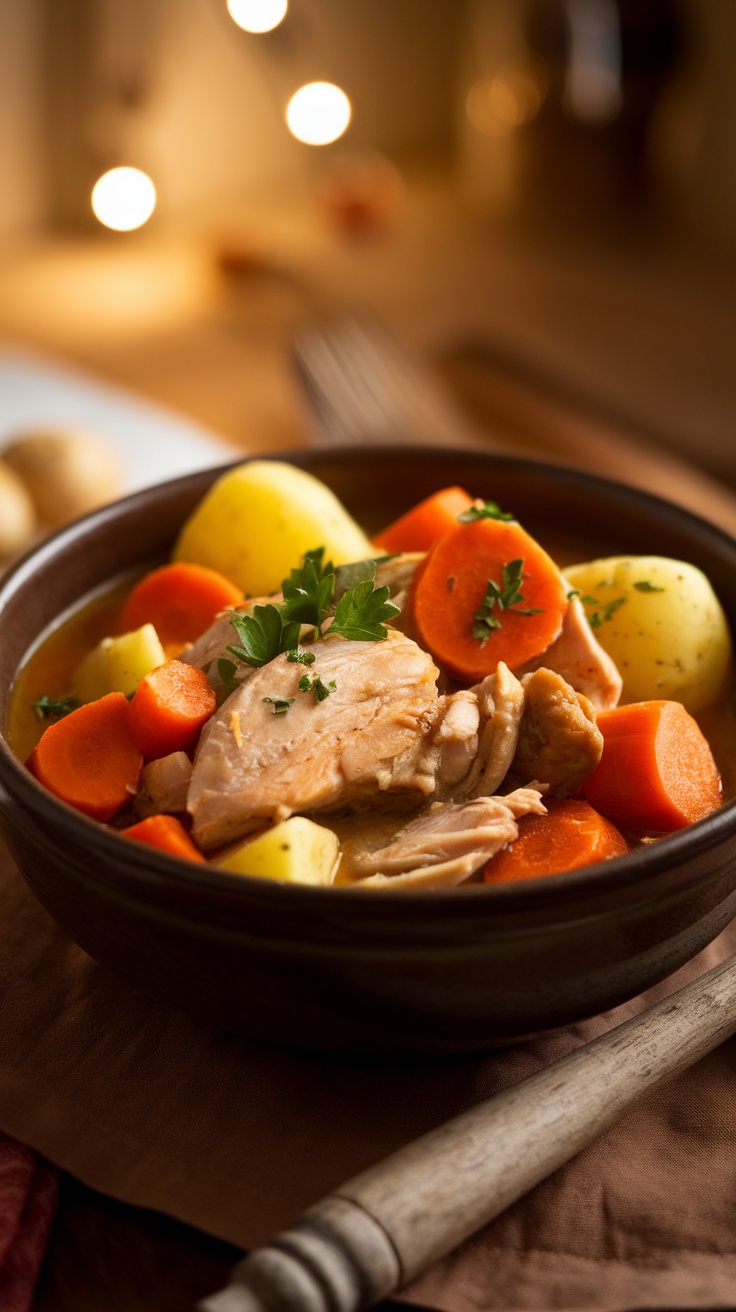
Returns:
point(169, 707)
point(657, 772)
point(487, 592)
point(167, 834)
point(89, 758)
point(420, 527)
point(570, 835)
point(179, 600)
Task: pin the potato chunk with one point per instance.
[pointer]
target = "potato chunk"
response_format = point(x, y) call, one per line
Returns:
point(661, 622)
point(297, 851)
point(118, 664)
point(256, 522)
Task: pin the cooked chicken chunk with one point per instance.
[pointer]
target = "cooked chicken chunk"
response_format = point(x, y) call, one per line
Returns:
point(559, 740)
point(163, 785)
point(500, 703)
point(365, 739)
point(448, 842)
point(579, 658)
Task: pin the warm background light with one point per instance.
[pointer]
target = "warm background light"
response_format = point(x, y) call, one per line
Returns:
point(318, 113)
point(257, 15)
point(123, 199)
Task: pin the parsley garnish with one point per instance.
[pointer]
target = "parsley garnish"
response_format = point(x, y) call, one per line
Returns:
point(645, 586)
point(50, 708)
point(263, 634)
point(315, 685)
point(488, 510)
point(309, 598)
point(606, 612)
point(226, 671)
point(507, 597)
point(280, 704)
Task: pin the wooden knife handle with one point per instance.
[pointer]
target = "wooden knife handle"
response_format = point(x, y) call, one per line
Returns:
point(388, 1224)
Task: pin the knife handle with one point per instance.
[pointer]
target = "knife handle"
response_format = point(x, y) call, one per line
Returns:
point(377, 1231)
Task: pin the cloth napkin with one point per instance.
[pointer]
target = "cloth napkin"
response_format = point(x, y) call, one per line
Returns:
point(28, 1192)
point(142, 1103)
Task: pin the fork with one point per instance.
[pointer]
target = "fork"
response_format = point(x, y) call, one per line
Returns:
point(364, 387)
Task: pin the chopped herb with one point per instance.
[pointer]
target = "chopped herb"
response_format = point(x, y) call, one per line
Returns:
point(507, 597)
point(488, 510)
point(645, 586)
point(349, 576)
point(606, 612)
point(50, 708)
point(280, 704)
point(263, 634)
point(360, 614)
point(298, 656)
point(315, 685)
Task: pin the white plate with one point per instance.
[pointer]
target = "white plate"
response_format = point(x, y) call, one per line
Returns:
point(153, 442)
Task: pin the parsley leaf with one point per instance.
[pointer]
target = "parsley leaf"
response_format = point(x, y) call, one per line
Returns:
point(263, 634)
point(506, 597)
point(226, 672)
point(489, 510)
point(606, 612)
point(645, 586)
point(298, 656)
point(50, 708)
point(316, 685)
point(308, 590)
point(280, 704)
point(360, 614)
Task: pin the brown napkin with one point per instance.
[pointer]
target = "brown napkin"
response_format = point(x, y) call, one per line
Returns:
point(144, 1104)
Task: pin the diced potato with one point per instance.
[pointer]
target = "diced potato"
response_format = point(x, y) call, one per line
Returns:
point(297, 851)
point(661, 622)
point(118, 664)
point(255, 524)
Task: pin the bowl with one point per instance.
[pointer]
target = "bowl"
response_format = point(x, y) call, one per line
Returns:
point(352, 970)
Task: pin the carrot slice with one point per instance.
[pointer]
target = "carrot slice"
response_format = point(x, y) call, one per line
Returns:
point(570, 835)
point(657, 771)
point(169, 707)
point(89, 758)
point(420, 527)
point(468, 612)
point(167, 834)
point(179, 600)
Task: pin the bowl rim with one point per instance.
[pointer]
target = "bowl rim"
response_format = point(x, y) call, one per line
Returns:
point(621, 872)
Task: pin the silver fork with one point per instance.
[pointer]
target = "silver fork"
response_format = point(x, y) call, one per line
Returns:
point(364, 386)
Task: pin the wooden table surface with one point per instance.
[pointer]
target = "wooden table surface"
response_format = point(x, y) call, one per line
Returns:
point(591, 355)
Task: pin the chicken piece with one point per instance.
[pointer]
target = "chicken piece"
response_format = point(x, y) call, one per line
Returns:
point(501, 704)
point(448, 843)
point(579, 658)
point(454, 741)
point(273, 749)
point(559, 740)
point(213, 643)
point(163, 785)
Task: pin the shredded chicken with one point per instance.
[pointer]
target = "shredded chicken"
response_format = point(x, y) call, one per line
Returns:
point(163, 785)
point(448, 843)
point(501, 704)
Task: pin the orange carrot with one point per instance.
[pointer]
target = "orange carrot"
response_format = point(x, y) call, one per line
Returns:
point(167, 834)
point(571, 834)
point(89, 758)
point(657, 772)
point(180, 600)
point(169, 707)
point(420, 527)
point(487, 592)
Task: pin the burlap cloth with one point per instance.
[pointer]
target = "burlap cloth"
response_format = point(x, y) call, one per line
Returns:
point(140, 1102)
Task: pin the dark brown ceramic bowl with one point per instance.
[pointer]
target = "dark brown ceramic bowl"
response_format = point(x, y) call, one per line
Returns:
point(348, 969)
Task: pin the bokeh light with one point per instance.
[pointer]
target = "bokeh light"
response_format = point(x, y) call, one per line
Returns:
point(318, 113)
point(514, 96)
point(123, 199)
point(257, 15)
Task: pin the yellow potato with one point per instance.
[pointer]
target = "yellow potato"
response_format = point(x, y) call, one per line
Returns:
point(296, 851)
point(255, 524)
point(118, 664)
point(67, 471)
point(661, 622)
point(17, 513)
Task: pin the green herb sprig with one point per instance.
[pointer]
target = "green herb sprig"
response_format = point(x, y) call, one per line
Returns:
point(507, 597)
